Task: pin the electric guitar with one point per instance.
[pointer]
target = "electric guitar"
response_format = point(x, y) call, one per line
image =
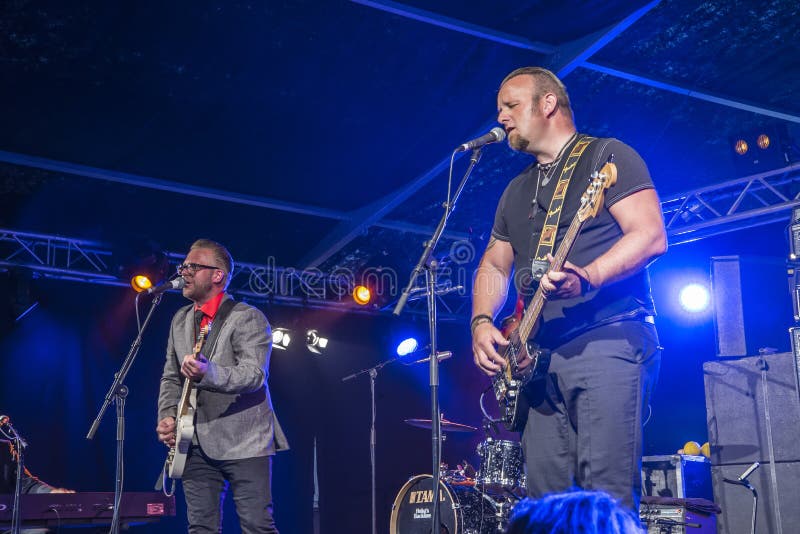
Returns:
point(524, 360)
point(184, 428)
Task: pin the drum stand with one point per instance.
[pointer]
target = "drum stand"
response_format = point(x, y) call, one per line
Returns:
point(429, 265)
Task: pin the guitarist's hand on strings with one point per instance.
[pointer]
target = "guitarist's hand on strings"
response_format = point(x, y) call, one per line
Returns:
point(194, 367)
point(485, 337)
point(571, 281)
point(166, 431)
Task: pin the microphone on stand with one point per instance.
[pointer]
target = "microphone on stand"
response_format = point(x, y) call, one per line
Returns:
point(495, 135)
point(749, 471)
point(176, 283)
point(409, 361)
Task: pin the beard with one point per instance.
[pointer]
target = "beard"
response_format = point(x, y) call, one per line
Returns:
point(517, 142)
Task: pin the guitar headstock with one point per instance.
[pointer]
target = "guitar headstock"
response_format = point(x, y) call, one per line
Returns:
point(592, 199)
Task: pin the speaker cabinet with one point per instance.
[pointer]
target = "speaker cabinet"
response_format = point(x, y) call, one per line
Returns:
point(776, 512)
point(752, 304)
point(744, 412)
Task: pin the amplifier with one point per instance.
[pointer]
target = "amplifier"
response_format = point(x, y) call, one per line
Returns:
point(675, 519)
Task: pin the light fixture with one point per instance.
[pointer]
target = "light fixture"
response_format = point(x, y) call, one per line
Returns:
point(141, 282)
point(695, 298)
point(315, 343)
point(763, 141)
point(407, 346)
point(362, 295)
point(280, 338)
point(741, 147)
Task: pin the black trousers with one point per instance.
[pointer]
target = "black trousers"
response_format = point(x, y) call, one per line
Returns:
point(584, 424)
point(206, 481)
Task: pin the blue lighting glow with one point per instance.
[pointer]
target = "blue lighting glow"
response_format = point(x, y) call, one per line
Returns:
point(407, 346)
point(695, 298)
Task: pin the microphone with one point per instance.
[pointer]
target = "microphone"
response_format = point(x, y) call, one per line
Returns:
point(749, 471)
point(439, 356)
point(176, 283)
point(495, 135)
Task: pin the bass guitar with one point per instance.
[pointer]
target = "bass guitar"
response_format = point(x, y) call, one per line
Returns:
point(524, 360)
point(184, 428)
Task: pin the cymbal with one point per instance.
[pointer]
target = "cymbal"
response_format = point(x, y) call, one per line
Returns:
point(447, 426)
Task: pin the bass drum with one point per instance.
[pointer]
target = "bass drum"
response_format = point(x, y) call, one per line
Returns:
point(464, 509)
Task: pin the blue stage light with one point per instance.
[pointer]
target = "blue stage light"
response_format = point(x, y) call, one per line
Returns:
point(695, 298)
point(407, 346)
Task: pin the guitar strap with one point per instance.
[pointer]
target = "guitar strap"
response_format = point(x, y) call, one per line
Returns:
point(222, 314)
point(547, 238)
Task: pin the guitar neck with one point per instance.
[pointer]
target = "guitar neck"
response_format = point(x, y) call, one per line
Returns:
point(534, 309)
point(183, 405)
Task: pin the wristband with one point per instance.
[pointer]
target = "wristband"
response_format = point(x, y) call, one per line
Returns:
point(479, 319)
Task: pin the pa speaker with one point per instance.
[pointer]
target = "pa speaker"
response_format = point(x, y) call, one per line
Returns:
point(752, 304)
point(750, 403)
point(777, 511)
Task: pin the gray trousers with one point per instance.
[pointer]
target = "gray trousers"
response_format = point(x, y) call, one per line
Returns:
point(206, 481)
point(584, 423)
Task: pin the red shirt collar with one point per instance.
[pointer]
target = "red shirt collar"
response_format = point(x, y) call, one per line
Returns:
point(210, 308)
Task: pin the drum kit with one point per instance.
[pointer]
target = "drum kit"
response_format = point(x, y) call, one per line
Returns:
point(472, 502)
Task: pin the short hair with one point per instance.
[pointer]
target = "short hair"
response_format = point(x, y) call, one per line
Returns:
point(588, 512)
point(221, 256)
point(544, 81)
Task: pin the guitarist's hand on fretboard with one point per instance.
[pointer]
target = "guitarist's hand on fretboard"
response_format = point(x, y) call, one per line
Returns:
point(194, 367)
point(485, 338)
point(568, 283)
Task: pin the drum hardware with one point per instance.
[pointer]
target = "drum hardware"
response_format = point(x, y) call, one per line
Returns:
point(502, 468)
point(446, 426)
point(464, 509)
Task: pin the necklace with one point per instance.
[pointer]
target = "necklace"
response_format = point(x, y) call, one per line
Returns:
point(549, 171)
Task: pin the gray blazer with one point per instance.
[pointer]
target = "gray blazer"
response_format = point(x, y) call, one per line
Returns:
point(234, 417)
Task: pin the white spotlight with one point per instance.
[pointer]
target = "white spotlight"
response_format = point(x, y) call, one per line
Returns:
point(281, 338)
point(695, 298)
point(315, 342)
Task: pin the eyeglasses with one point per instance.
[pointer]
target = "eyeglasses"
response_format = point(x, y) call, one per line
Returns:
point(192, 268)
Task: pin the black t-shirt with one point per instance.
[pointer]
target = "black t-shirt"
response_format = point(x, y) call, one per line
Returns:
point(520, 217)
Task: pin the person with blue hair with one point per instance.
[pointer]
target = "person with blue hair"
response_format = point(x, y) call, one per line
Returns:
point(571, 512)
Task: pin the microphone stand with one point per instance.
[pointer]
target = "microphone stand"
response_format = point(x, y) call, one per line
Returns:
point(373, 374)
point(19, 445)
point(430, 265)
point(117, 393)
point(742, 481)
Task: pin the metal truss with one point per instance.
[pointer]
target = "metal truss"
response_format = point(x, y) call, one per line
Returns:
point(80, 260)
point(754, 200)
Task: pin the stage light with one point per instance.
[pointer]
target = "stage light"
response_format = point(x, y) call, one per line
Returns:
point(407, 346)
point(281, 338)
point(141, 282)
point(314, 342)
point(362, 295)
point(763, 141)
point(695, 298)
point(741, 147)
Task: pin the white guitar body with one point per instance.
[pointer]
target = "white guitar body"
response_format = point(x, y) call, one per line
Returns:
point(184, 431)
point(184, 427)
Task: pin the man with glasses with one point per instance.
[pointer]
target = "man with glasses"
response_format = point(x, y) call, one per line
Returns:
point(236, 432)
